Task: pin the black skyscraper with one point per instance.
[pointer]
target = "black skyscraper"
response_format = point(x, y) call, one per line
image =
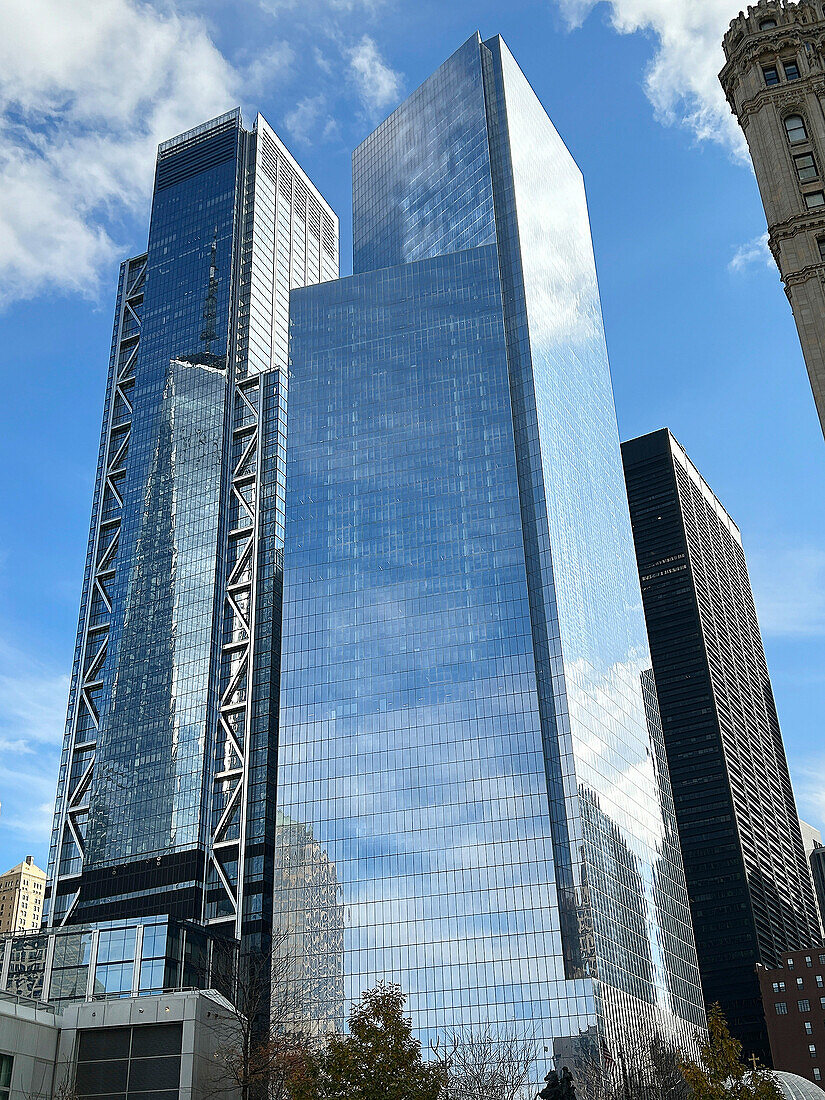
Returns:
point(750, 890)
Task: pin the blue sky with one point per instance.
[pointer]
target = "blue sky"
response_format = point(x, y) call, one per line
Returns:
point(700, 334)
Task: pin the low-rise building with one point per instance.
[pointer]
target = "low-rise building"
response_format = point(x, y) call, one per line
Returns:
point(165, 1045)
point(793, 998)
point(21, 897)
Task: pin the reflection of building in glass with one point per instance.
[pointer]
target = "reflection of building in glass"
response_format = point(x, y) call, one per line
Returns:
point(24, 965)
point(750, 888)
point(115, 959)
point(463, 727)
point(165, 801)
point(308, 928)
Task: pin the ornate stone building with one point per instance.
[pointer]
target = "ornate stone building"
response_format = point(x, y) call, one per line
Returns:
point(774, 78)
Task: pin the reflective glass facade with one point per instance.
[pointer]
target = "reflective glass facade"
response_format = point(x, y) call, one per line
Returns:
point(115, 959)
point(165, 802)
point(748, 879)
point(469, 729)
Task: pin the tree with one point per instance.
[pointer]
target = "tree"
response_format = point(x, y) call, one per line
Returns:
point(254, 1045)
point(666, 1079)
point(378, 1060)
point(488, 1063)
point(650, 1070)
point(720, 1073)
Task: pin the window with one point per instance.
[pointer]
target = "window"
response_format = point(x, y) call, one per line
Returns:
point(795, 129)
point(798, 983)
point(813, 199)
point(822, 1002)
point(779, 987)
point(804, 1005)
point(781, 1008)
point(790, 961)
point(819, 976)
point(822, 959)
point(6, 1064)
point(817, 1074)
point(812, 1050)
point(771, 75)
point(821, 246)
point(805, 170)
point(791, 73)
point(807, 960)
point(767, 24)
point(808, 1029)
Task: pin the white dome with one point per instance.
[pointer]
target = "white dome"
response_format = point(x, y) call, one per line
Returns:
point(794, 1087)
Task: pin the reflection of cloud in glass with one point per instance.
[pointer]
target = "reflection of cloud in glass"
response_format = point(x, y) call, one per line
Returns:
point(463, 725)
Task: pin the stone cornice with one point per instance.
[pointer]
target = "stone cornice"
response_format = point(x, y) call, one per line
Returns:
point(799, 223)
point(752, 49)
point(782, 96)
point(804, 275)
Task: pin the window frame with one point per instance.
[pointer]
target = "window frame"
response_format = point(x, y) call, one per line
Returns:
point(769, 72)
point(6, 1075)
point(792, 62)
point(813, 195)
point(797, 157)
point(803, 128)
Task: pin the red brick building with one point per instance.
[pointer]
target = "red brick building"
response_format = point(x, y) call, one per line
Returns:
point(793, 997)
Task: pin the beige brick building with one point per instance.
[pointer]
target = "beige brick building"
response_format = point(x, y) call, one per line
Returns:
point(21, 897)
point(774, 79)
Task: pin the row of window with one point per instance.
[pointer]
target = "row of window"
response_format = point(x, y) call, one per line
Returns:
point(806, 167)
point(779, 987)
point(803, 1005)
point(771, 72)
point(808, 961)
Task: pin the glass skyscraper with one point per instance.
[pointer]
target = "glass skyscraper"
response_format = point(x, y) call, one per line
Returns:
point(750, 887)
point(165, 803)
point(470, 754)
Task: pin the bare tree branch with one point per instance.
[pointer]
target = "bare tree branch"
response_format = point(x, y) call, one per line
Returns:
point(488, 1063)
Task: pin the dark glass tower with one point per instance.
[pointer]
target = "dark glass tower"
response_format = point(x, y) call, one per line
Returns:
point(470, 754)
point(165, 803)
point(750, 890)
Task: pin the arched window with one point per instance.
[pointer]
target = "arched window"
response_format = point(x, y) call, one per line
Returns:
point(795, 129)
point(767, 24)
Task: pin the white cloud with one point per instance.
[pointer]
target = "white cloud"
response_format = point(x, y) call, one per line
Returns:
point(87, 90)
point(310, 119)
point(754, 252)
point(32, 712)
point(378, 85)
point(809, 788)
point(789, 590)
point(272, 66)
point(682, 80)
point(318, 7)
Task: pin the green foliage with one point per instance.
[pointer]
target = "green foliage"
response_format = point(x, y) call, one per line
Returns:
point(378, 1060)
point(720, 1073)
